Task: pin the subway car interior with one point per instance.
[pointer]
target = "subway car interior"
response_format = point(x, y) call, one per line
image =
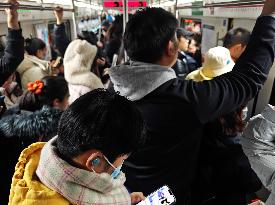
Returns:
point(149, 102)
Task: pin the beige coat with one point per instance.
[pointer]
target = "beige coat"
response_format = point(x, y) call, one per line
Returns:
point(32, 69)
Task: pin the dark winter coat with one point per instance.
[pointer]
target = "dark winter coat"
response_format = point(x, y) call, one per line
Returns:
point(112, 47)
point(61, 40)
point(19, 131)
point(13, 55)
point(184, 65)
point(224, 170)
point(175, 111)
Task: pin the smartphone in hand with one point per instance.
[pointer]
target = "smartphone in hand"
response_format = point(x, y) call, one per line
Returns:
point(57, 62)
point(162, 196)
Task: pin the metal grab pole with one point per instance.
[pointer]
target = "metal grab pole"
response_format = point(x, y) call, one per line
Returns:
point(125, 20)
point(125, 14)
point(175, 8)
point(100, 29)
point(31, 7)
point(74, 20)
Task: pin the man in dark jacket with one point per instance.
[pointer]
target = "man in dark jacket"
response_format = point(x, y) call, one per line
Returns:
point(14, 51)
point(61, 40)
point(185, 63)
point(174, 109)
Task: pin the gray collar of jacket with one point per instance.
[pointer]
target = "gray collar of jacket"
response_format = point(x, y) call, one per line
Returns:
point(135, 80)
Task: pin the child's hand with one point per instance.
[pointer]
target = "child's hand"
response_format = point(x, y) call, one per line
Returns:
point(136, 197)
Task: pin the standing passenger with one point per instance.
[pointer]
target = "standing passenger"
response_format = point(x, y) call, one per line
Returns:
point(175, 110)
point(14, 51)
point(78, 61)
point(61, 40)
point(34, 67)
point(13, 56)
point(185, 63)
point(236, 41)
point(223, 167)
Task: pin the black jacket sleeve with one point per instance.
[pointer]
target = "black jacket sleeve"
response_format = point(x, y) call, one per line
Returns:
point(229, 91)
point(61, 39)
point(13, 55)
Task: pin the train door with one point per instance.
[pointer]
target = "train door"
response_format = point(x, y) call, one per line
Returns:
point(213, 31)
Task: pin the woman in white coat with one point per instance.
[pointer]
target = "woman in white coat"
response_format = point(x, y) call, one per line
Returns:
point(34, 67)
point(78, 61)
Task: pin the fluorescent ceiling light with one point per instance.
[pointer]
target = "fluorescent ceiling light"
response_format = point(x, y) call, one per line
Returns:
point(91, 6)
point(63, 2)
point(164, 4)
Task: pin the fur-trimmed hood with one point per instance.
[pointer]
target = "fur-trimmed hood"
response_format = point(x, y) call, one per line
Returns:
point(78, 61)
point(30, 127)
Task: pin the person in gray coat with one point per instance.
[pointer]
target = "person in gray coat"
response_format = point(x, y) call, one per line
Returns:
point(258, 142)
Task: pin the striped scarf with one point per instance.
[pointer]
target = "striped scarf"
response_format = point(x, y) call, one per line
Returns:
point(77, 185)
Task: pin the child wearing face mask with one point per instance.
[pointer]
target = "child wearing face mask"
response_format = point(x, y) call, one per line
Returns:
point(82, 165)
point(34, 66)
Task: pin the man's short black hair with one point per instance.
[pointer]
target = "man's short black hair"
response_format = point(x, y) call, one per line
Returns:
point(147, 34)
point(100, 120)
point(236, 36)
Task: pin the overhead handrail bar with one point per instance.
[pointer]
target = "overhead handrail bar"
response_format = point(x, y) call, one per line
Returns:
point(235, 3)
point(225, 4)
point(31, 7)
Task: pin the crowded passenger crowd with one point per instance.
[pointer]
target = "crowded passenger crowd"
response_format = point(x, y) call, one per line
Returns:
point(95, 128)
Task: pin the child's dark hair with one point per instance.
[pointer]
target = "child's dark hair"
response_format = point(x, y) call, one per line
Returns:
point(54, 88)
point(227, 125)
point(100, 120)
point(232, 123)
point(32, 45)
